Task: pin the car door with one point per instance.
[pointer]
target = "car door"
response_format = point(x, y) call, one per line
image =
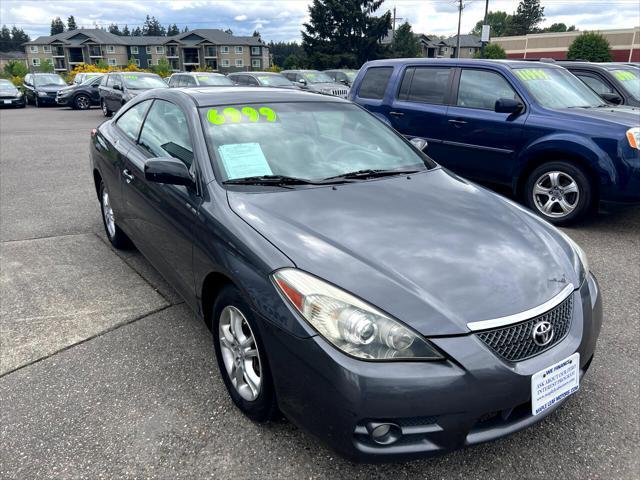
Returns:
point(94, 90)
point(116, 93)
point(252, 82)
point(27, 85)
point(162, 215)
point(597, 83)
point(419, 106)
point(483, 143)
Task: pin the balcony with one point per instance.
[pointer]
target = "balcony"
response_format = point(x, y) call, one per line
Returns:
point(76, 55)
point(57, 52)
point(172, 52)
point(191, 56)
point(59, 64)
point(210, 52)
point(95, 52)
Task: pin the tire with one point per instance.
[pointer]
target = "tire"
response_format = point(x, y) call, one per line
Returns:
point(559, 192)
point(26, 99)
point(36, 102)
point(256, 399)
point(82, 102)
point(116, 236)
point(105, 110)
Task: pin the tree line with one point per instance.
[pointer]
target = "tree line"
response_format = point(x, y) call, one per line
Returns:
point(11, 39)
point(150, 28)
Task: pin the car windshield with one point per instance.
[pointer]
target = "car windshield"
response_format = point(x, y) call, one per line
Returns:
point(143, 82)
point(317, 77)
point(91, 79)
point(630, 79)
point(273, 80)
point(312, 141)
point(557, 88)
point(213, 80)
point(351, 75)
point(44, 80)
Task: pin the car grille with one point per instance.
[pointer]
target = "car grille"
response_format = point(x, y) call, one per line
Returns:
point(338, 92)
point(515, 342)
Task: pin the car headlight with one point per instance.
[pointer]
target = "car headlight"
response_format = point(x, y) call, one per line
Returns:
point(581, 264)
point(19, 94)
point(42, 94)
point(350, 324)
point(633, 137)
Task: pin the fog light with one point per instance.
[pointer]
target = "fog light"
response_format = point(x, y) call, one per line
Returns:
point(384, 433)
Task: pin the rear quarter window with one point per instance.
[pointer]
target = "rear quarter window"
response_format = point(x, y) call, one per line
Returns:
point(375, 82)
point(425, 85)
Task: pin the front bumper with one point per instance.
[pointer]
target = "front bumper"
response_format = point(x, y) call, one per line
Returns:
point(12, 101)
point(440, 406)
point(63, 100)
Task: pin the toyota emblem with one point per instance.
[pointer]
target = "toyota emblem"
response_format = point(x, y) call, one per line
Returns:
point(542, 333)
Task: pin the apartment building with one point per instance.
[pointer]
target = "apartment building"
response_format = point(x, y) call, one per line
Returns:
point(212, 48)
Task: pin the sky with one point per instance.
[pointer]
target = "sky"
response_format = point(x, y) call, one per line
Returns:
point(281, 20)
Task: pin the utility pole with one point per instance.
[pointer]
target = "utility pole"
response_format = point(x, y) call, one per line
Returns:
point(393, 28)
point(484, 25)
point(459, 22)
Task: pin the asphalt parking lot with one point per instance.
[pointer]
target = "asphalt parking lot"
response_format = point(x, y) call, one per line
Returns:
point(104, 373)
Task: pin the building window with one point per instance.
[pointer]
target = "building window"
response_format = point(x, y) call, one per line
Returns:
point(255, 63)
point(239, 49)
point(46, 48)
point(134, 50)
point(255, 50)
point(137, 62)
point(33, 49)
point(35, 62)
point(112, 62)
point(210, 51)
point(471, 50)
point(148, 50)
point(225, 62)
point(111, 49)
point(225, 49)
point(239, 62)
point(445, 49)
point(160, 50)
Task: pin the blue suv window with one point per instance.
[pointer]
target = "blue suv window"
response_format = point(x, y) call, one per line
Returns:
point(425, 85)
point(374, 83)
point(481, 89)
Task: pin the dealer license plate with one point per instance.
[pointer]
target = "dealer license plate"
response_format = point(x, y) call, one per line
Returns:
point(7, 102)
point(551, 385)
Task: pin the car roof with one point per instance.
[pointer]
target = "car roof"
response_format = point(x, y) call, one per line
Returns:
point(341, 70)
point(233, 95)
point(455, 61)
point(137, 73)
point(253, 73)
point(299, 70)
point(198, 73)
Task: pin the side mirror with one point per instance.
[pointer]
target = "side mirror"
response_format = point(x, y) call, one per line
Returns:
point(167, 170)
point(420, 143)
point(612, 98)
point(117, 87)
point(302, 81)
point(508, 105)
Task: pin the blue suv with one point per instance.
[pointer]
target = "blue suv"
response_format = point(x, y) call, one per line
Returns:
point(530, 126)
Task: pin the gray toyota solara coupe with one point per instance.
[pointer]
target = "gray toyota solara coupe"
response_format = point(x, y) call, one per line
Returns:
point(380, 302)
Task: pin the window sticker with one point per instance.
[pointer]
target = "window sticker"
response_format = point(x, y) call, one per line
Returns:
point(532, 74)
point(242, 160)
point(131, 77)
point(625, 75)
point(241, 115)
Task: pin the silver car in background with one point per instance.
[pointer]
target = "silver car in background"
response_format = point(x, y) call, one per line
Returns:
point(317, 82)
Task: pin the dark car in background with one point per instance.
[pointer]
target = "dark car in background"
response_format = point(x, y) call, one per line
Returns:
point(10, 96)
point(533, 128)
point(81, 96)
point(120, 87)
point(42, 88)
point(616, 83)
point(344, 76)
point(316, 82)
point(391, 308)
point(199, 79)
point(84, 76)
point(261, 79)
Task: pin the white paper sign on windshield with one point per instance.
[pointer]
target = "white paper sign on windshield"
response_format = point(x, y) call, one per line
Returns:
point(242, 160)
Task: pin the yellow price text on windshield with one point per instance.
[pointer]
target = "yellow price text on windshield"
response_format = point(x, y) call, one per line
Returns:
point(532, 74)
point(245, 114)
point(625, 75)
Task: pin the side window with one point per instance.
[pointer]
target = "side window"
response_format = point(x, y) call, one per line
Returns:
point(481, 89)
point(240, 79)
point(166, 133)
point(290, 76)
point(173, 81)
point(299, 77)
point(109, 82)
point(374, 83)
point(189, 81)
point(131, 120)
point(117, 80)
point(252, 81)
point(426, 85)
point(597, 85)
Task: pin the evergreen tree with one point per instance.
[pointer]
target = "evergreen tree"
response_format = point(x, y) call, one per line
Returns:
point(499, 22)
point(18, 37)
point(5, 39)
point(282, 50)
point(152, 28)
point(405, 44)
point(113, 28)
point(344, 33)
point(256, 33)
point(125, 31)
point(71, 23)
point(590, 46)
point(172, 30)
point(526, 19)
point(57, 26)
point(229, 31)
point(136, 32)
point(185, 29)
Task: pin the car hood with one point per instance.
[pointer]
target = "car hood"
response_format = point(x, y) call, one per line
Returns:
point(434, 251)
point(623, 115)
point(9, 92)
point(51, 88)
point(327, 86)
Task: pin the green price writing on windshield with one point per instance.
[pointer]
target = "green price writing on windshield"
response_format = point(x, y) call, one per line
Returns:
point(132, 77)
point(625, 75)
point(241, 115)
point(532, 74)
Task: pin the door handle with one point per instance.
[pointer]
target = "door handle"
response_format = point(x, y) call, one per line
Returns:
point(396, 114)
point(457, 123)
point(127, 175)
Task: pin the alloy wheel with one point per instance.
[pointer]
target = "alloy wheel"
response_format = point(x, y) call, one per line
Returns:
point(240, 353)
point(82, 102)
point(556, 194)
point(107, 212)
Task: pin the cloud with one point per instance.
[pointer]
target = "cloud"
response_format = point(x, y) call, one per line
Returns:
point(240, 18)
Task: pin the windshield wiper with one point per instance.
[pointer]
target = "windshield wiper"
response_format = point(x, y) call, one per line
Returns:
point(270, 180)
point(370, 173)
